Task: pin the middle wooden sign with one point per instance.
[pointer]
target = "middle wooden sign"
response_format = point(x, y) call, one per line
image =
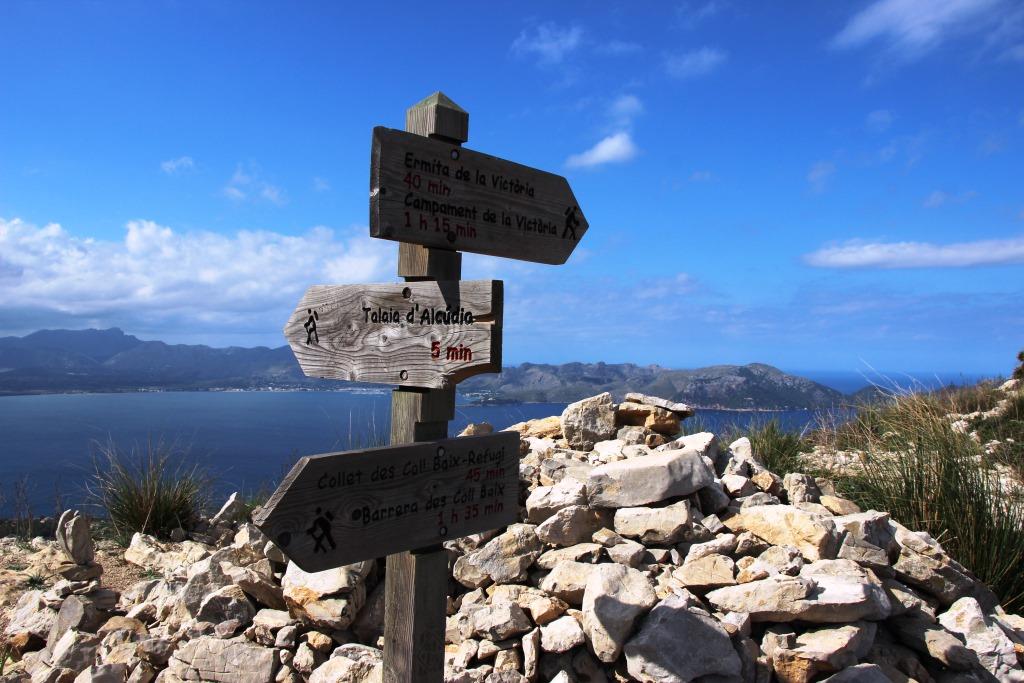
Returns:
point(419, 334)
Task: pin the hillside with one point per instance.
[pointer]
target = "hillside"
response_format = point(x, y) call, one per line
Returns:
point(52, 361)
point(720, 386)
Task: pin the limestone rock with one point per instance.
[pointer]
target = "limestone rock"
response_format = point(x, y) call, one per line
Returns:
point(932, 639)
point(615, 596)
point(545, 427)
point(500, 621)
point(75, 650)
point(650, 479)
point(669, 524)
point(31, 616)
point(146, 552)
point(545, 501)
point(983, 635)
point(568, 581)
point(680, 409)
point(588, 421)
point(801, 488)
point(862, 673)
point(328, 599)
point(650, 417)
point(477, 429)
point(800, 658)
point(561, 635)
point(677, 645)
point(710, 571)
point(228, 602)
point(814, 536)
point(504, 559)
point(74, 538)
point(571, 525)
point(233, 510)
point(103, 673)
point(225, 661)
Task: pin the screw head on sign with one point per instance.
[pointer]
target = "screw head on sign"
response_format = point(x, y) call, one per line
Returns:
point(406, 293)
point(404, 374)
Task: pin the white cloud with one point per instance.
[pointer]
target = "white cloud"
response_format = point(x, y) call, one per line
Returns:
point(695, 63)
point(667, 287)
point(692, 13)
point(939, 198)
point(172, 166)
point(620, 47)
point(702, 177)
point(624, 109)
point(548, 42)
point(862, 254)
point(612, 149)
point(160, 275)
point(819, 175)
point(321, 184)
point(247, 183)
point(910, 28)
point(879, 120)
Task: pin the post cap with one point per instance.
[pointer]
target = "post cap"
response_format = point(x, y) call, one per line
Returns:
point(437, 116)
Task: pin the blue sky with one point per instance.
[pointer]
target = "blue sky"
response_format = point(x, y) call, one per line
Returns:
point(819, 186)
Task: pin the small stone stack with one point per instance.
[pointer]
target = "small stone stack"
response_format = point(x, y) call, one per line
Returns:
point(641, 555)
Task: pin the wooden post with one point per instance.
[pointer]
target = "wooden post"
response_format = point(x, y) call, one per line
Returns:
point(416, 587)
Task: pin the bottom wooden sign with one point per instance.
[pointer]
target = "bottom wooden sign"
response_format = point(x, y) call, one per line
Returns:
point(339, 508)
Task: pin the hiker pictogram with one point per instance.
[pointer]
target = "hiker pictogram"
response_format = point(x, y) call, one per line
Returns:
point(321, 531)
point(310, 325)
point(572, 221)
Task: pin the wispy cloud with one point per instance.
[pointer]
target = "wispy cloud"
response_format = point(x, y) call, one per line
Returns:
point(624, 109)
point(911, 28)
point(321, 184)
point(689, 14)
point(548, 42)
point(172, 166)
point(863, 254)
point(702, 176)
point(159, 274)
point(695, 63)
point(620, 47)
point(878, 121)
point(247, 183)
point(939, 198)
point(819, 175)
point(666, 287)
point(612, 149)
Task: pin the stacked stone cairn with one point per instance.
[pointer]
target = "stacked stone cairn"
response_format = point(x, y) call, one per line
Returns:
point(641, 556)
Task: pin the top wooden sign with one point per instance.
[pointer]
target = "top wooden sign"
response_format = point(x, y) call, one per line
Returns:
point(437, 194)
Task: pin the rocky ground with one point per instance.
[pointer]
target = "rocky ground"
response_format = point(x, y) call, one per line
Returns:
point(639, 556)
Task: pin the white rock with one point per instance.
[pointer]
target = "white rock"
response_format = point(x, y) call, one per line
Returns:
point(814, 536)
point(545, 501)
point(650, 479)
point(561, 635)
point(571, 525)
point(615, 597)
point(586, 422)
point(328, 599)
point(224, 661)
point(665, 525)
point(676, 645)
point(995, 650)
point(74, 538)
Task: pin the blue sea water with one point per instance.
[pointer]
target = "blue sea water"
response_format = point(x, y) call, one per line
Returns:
point(246, 440)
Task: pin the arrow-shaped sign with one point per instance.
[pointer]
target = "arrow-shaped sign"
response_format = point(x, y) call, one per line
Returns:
point(419, 334)
point(339, 508)
point(433, 193)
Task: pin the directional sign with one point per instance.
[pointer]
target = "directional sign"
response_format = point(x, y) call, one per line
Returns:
point(417, 334)
point(340, 508)
point(433, 193)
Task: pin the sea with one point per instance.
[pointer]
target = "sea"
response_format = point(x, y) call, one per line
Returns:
point(244, 440)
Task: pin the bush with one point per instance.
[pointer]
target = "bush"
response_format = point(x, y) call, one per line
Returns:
point(150, 490)
point(931, 478)
point(777, 448)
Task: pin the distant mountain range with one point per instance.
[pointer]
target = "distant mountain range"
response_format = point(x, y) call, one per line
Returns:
point(61, 361)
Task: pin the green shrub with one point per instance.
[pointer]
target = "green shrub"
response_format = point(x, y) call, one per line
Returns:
point(930, 478)
point(151, 490)
point(1008, 429)
point(777, 448)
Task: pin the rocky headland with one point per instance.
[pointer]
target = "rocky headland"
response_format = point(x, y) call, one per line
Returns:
point(640, 555)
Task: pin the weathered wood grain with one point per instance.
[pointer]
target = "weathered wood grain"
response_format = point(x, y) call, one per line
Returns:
point(415, 593)
point(431, 192)
point(419, 334)
point(339, 508)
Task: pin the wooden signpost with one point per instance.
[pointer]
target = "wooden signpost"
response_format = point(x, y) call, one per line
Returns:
point(424, 335)
point(420, 334)
point(339, 508)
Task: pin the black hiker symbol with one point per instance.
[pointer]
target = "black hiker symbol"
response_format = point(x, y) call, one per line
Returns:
point(310, 325)
point(321, 531)
point(572, 221)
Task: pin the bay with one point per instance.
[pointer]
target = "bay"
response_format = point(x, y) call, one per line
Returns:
point(246, 440)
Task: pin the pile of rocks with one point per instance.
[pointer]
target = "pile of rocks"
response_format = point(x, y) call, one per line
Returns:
point(641, 555)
